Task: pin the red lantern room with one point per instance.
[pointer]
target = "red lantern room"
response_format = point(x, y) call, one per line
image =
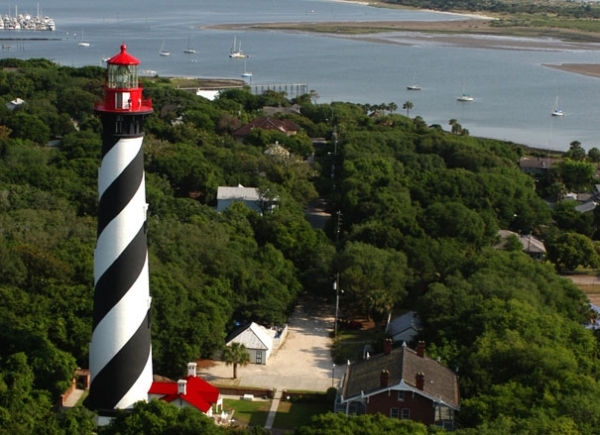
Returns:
point(122, 92)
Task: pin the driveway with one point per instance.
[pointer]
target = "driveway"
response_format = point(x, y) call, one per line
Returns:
point(590, 284)
point(302, 362)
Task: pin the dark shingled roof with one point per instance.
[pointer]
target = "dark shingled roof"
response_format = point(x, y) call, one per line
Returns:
point(403, 364)
point(284, 126)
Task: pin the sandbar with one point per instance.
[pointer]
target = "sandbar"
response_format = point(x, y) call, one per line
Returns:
point(474, 32)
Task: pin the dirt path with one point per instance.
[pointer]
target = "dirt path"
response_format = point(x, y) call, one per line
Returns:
point(590, 285)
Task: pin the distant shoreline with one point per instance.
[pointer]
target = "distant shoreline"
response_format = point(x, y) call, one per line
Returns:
point(465, 33)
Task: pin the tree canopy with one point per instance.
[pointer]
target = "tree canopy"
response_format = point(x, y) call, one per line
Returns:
point(415, 213)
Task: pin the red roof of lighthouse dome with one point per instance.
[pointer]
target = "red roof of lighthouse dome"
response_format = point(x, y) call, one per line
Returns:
point(123, 58)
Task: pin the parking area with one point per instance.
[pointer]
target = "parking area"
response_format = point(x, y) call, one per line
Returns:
point(302, 362)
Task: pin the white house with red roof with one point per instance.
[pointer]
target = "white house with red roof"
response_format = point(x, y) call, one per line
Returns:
point(189, 391)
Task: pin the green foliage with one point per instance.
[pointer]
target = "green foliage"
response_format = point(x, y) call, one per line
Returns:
point(160, 418)
point(374, 279)
point(235, 354)
point(415, 214)
point(340, 424)
point(576, 175)
point(571, 250)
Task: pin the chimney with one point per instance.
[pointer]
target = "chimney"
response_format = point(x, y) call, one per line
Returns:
point(181, 384)
point(421, 349)
point(387, 346)
point(384, 378)
point(192, 369)
point(420, 380)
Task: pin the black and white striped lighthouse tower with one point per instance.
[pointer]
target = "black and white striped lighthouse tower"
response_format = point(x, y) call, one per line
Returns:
point(121, 351)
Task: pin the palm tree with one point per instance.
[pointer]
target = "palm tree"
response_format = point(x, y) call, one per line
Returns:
point(408, 105)
point(235, 354)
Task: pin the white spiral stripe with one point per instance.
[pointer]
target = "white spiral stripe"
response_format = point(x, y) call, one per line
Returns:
point(119, 233)
point(116, 160)
point(120, 323)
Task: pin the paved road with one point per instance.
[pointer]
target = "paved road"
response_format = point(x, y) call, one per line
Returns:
point(303, 362)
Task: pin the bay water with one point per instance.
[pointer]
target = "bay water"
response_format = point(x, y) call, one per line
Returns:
point(513, 91)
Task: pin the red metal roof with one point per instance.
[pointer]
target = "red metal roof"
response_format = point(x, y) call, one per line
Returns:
point(199, 393)
point(123, 58)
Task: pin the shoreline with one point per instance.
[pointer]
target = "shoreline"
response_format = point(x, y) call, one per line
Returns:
point(474, 32)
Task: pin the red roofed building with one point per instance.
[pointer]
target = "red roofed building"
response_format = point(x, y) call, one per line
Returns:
point(284, 126)
point(189, 391)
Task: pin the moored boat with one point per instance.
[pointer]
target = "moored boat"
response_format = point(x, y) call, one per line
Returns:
point(557, 111)
point(236, 51)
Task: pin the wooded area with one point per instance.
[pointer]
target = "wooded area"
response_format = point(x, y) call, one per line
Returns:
point(419, 211)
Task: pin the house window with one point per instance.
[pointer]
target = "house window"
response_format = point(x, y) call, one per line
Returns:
point(405, 414)
point(259, 356)
point(400, 396)
point(394, 412)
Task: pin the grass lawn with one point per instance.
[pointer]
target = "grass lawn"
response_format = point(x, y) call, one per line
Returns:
point(350, 344)
point(249, 412)
point(291, 415)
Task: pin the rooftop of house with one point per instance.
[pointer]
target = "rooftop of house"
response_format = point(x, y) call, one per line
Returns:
point(537, 163)
point(267, 123)
point(403, 365)
point(530, 243)
point(238, 192)
point(252, 336)
point(196, 391)
point(402, 323)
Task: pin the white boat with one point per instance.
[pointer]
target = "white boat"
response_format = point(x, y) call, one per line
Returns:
point(162, 51)
point(557, 111)
point(246, 74)
point(82, 42)
point(465, 96)
point(189, 49)
point(414, 86)
point(236, 51)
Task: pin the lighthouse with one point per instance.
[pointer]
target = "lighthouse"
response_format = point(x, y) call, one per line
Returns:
point(121, 350)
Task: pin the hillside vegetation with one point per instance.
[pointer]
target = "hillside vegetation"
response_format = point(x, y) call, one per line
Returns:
point(416, 214)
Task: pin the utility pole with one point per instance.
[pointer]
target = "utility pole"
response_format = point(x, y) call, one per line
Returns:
point(336, 288)
point(336, 284)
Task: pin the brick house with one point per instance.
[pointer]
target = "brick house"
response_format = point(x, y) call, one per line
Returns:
point(401, 383)
point(284, 126)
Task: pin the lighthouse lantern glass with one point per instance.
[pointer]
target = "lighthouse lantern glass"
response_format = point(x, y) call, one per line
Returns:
point(122, 76)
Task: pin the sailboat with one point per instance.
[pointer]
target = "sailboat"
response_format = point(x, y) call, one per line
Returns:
point(236, 51)
point(557, 111)
point(162, 51)
point(189, 50)
point(465, 96)
point(246, 74)
point(82, 42)
point(414, 86)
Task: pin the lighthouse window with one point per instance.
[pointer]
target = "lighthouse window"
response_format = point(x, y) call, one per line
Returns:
point(122, 76)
